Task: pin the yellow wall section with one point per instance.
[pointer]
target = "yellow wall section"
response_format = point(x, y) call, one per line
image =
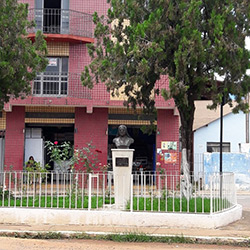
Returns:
point(49, 121)
point(58, 48)
point(3, 121)
point(50, 109)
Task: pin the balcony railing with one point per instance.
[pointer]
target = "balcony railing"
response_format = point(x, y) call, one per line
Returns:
point(64, 84)
point(60, 21)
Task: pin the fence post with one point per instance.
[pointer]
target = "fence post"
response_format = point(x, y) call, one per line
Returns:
point(89, 199)
point(131, 193)
point(211, 195)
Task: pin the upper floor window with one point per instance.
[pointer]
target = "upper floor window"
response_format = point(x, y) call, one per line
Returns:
point(54, 81)
point(215, 147)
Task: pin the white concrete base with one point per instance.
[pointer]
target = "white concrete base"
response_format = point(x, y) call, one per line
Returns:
point(35, 216)
point(122, 177)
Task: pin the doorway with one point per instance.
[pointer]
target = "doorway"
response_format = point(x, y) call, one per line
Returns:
point(144, 145)
point(52, 16)
point(59, 133)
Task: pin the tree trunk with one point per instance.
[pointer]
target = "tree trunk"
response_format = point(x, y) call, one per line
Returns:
point(187, 118)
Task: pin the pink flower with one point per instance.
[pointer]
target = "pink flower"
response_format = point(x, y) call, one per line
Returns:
point(56, 142)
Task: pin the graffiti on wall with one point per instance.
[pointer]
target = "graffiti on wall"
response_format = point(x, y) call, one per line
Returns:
point(238, 163)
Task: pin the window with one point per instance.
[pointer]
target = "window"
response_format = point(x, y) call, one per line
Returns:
point(215, 147)
point(54, 81)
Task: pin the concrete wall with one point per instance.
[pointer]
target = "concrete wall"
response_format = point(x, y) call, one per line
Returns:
point(31, 216)
point(238, 163)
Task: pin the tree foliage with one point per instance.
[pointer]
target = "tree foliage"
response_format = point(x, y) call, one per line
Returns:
point(20, 59)
point(190, 41)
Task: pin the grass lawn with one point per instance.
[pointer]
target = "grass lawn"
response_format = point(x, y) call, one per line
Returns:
point(60, 202)
point(139, 204)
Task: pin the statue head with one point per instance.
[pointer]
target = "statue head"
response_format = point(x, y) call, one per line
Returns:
point(122, 131)
point(123, 140)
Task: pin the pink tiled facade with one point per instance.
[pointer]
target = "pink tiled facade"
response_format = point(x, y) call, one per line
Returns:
point(14, 138)
point(91, 115)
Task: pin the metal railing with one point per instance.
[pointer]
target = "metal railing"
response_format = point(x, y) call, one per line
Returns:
point(51, 83)
point(60, 21)
point(148, 192)
point(66, 84)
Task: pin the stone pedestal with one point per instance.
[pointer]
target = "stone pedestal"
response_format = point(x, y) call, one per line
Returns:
point(122, 160)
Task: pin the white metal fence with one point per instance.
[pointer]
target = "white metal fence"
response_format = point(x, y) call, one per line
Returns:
point(148, 191)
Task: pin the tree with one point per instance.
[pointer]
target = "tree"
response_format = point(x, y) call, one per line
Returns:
point(20, 59)
point(190, 41)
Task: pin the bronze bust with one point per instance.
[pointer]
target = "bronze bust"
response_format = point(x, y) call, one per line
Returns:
point(123, 140)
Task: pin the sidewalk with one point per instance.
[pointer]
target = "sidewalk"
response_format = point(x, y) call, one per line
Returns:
point(237, 232)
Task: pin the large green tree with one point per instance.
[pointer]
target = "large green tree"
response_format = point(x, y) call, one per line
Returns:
point(191, 41)
point(20, 59)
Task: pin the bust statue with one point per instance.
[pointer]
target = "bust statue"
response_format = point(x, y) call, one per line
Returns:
point(123, 140)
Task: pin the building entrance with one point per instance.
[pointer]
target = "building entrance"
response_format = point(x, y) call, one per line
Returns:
point(38, 134)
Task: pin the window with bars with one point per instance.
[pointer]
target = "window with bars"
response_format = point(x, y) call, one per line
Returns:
point(54, 81)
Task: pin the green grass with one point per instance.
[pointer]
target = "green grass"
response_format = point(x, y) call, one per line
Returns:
point(139, 204)
point(61, 202)
point(128, 237)
point(175, 205)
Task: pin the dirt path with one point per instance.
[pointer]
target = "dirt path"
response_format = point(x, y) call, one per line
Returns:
point(24, 244)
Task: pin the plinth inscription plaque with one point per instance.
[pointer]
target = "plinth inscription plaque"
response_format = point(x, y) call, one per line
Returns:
point(121, 162)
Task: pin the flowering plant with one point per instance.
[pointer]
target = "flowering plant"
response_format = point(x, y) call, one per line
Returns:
point(87, 157)
point(59, 153)
point(159, 168)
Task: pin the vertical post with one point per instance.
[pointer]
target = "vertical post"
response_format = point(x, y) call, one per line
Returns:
point(15, 182)
point(89, 199)
point(247, 120)
point(221, 133)
point(211, 195)
point(221, 141)
point(131, 193)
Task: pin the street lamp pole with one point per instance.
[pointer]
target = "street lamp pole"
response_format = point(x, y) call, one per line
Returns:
point(221, 141)
point(221, 132)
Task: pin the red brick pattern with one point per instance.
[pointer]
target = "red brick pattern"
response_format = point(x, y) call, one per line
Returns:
point(14, 138)
point(92, 127)
point(168, 129)
point(99, 6)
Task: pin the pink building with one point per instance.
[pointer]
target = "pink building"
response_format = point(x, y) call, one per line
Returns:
point(61, 109)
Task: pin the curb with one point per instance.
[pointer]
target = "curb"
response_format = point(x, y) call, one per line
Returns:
point(239, 241)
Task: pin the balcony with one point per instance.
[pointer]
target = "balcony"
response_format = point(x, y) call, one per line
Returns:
point(62, 25)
